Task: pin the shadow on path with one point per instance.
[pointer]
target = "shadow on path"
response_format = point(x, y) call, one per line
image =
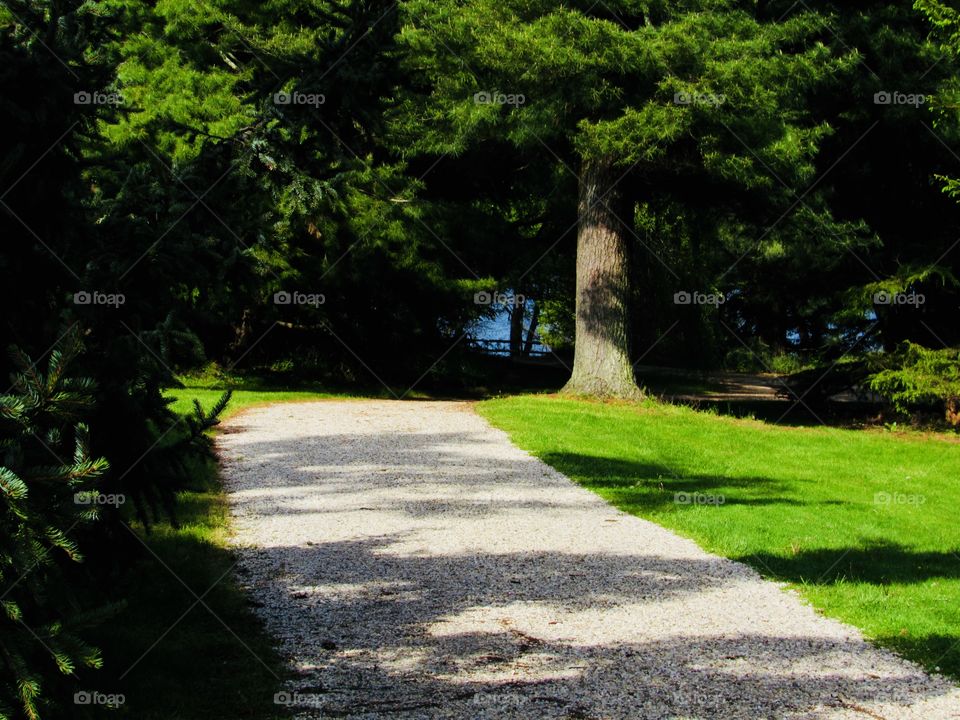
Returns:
point(414, 572)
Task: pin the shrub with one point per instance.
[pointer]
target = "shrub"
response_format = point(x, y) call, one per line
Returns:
point(47, 476)
point(915, 378)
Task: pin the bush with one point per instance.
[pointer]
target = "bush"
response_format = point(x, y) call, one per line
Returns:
point(760, 358)
point(915, 379)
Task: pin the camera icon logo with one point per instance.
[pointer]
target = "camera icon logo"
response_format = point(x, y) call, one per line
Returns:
point(682, 298)
point(82, 98)
point(882, 298)
point(482, 298)
point(82, 298)
point(882, 98)
point(282, 98)
point(282, 298)
point(682, 98)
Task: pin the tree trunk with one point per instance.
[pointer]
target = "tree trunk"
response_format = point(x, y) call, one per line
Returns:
point(601, 361)
point(517, 312)
point(532, 330)
point(953, 411)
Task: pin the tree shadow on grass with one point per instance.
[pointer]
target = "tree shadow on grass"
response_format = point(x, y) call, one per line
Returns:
point(877, 563)
point(788, 412)
point(882, 565)
point(654, 486)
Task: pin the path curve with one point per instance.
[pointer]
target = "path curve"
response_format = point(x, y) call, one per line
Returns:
point(413, 563)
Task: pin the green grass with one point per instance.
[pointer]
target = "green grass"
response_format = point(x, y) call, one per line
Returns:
point(799, 504)
point(249, 390)
point(241, 399)
point(174, 658)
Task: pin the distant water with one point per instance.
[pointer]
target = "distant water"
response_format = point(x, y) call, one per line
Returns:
point(498, 328)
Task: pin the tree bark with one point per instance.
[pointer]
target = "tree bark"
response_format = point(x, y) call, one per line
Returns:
point(953, 411)
point(516, 327)
point(532, 330)
point(601, 361)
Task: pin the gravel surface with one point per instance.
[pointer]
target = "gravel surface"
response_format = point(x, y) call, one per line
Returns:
point(412, 563)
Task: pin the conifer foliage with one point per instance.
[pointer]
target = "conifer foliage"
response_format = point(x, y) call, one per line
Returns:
point(48, 487)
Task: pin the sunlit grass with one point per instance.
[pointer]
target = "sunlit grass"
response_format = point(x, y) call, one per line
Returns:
point(248, 391)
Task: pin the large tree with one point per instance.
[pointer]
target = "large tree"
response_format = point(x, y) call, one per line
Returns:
point(627, 95)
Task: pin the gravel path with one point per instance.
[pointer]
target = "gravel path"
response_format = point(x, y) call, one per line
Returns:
point(413, 563)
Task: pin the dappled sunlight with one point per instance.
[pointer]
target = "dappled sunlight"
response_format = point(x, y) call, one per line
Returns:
point(408, 570)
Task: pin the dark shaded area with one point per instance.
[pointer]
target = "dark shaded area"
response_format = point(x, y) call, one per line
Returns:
point(792, 412)
point(878, 564)
point(654, 485)
point(171, 655)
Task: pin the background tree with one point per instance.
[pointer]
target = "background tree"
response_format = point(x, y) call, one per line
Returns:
point(709, 93)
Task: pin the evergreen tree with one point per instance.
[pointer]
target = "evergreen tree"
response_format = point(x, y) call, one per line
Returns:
point(636, 99)
point(48, 487)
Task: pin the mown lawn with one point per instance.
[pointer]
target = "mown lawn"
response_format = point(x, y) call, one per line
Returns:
point(862, 523)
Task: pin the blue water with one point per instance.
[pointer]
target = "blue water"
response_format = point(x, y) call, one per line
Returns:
point(498, 328)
